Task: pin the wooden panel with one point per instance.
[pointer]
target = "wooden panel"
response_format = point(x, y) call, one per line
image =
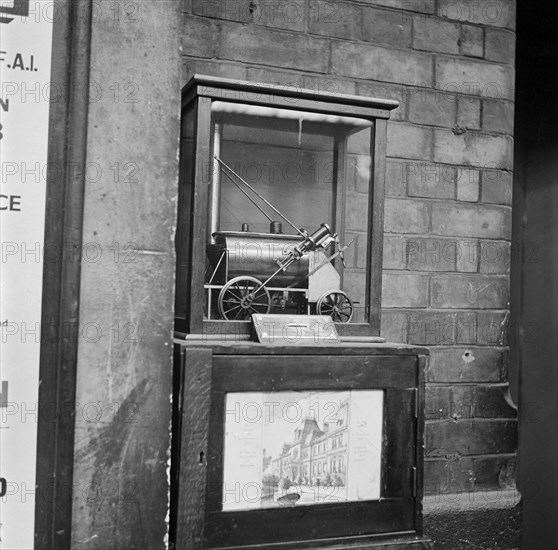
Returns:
point(216, 86)
point(394, 512)
point(301, 103)
point(194, 447)
point(419, 450)
point(397, 541)
point(184, 223)
point(61, 278)
point(349, 348)
point(376, 238)
point(297, 372)
point(347, 525)
point(308, 522)
point(399, 451)
point(202, 160)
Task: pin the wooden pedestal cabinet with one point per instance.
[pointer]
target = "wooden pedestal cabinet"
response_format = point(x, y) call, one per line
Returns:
point(243, 409)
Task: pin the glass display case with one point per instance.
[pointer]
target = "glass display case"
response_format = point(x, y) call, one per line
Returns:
point(280, 206)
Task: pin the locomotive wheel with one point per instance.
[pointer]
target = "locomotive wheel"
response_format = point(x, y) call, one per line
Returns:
point(336, 304)
point(237, 300)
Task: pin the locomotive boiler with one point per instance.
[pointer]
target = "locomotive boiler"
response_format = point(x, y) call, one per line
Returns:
point(250, 272)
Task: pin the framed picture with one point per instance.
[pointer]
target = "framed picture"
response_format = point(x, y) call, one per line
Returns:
point(299, 449)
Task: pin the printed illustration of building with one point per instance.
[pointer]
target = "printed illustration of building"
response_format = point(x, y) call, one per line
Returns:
point(317, 456)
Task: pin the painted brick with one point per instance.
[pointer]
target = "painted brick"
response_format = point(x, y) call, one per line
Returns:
point(492, 328)
point(475, 78)
point(199, 37)
point(395, 178)
point(432, 108)
point(376, 89)
point(290, 15)
point(452, 365)
point(394, 252)
point(496, 187)
point(469, 291)
point(404, 290)
point(480, 402)
point(468, 256)
point(329, 84)
point(500, 45)
point(437, 402)
point(264, 46)
point(494, 472)
point(212, 68)
point(498, 13)
point(472, 41)
point(406, 216)
point(453, 475)
point(497, 116)
point(466, 327)
point(387, 28)
point(469, 113)
point(319, 83)
point(490, 402)
point(376, 63)
point(421, 6)
point(430, 180)
point(474, 149)
point(406, 141)
point(468, 182)
point(433, 35)
point(430, 254)
point(335, 19)
point(231, 10)
point(467, 220)
point(470, 438)
point(270, 76)
point(432, 328)
point(394, 326)
point(462, 402)
point(495, 257)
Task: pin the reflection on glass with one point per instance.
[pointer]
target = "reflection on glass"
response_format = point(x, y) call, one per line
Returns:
point(288, 213)
point(301, 448)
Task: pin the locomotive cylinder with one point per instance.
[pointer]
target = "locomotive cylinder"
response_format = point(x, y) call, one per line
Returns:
point(257, 254)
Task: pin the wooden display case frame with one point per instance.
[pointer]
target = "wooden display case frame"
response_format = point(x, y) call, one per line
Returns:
point(198, 96)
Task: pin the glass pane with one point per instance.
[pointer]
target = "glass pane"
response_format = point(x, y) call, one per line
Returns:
point(288, 192)
point(184, 216)
point(301, 448)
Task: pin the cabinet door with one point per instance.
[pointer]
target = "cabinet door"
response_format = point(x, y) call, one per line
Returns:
point(335, 427)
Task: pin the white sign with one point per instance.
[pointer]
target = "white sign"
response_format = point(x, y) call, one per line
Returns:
point(25, 59)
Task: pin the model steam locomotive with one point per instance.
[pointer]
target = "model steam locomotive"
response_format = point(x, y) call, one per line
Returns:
point(250, 272)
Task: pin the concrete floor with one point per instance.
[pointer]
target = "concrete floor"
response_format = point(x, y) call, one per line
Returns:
point(479, 521)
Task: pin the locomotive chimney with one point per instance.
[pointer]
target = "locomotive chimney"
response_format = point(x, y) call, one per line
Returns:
point(276, 228)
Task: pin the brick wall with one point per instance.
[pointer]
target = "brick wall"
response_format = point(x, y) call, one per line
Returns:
point(448, 205)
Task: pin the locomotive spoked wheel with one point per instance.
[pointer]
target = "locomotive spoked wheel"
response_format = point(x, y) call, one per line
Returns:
point(238, 301)
point(336, 304)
